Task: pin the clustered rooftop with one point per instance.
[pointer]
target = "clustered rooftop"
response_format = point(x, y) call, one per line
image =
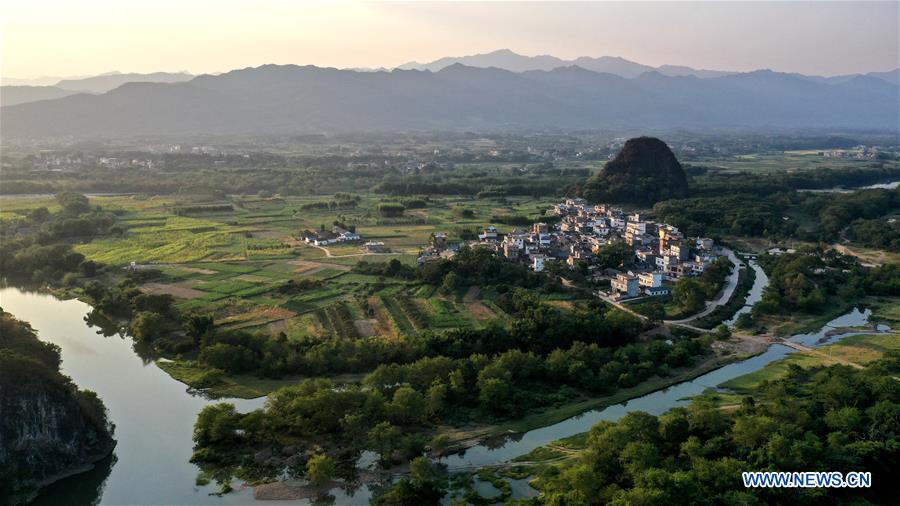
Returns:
point(661, 250)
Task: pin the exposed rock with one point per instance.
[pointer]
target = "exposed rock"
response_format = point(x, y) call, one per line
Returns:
point(49, 429)
point(643, 173)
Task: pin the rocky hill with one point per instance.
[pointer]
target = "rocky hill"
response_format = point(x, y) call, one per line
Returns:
point(644, 172)
point(49, 429)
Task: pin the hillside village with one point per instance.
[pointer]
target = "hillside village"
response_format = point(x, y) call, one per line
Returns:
point(661, 252)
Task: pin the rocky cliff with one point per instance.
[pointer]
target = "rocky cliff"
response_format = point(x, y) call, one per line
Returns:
point(49, 428)
point(644, 172)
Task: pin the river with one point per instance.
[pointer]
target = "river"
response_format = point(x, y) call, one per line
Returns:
point(154, 414)
point(760, 282)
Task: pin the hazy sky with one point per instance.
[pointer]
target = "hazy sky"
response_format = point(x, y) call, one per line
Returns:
point(79, 37)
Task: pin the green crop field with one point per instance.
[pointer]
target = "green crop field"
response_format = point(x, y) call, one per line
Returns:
point(231, 262)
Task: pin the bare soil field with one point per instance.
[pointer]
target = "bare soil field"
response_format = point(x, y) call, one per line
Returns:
point(478, 310)
point(178, 290)
point(365, 328)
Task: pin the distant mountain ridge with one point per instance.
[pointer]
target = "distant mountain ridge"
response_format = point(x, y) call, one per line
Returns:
point(13, 94)
point(107, 82)
point(288, 99)
point(509, 60)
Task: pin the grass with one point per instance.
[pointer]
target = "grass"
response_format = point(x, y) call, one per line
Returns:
point(400, 321)
point(540, 454)
point(799, 323)
point(242, 386)
point(859, 349)
point(673, 312)
point(443, 313)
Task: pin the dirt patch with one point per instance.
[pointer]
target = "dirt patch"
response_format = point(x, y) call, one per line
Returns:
point(561, 304)
point(279, 313)
point(475, 308)
point(278, 326)
point(307, 267)
point(253, 278)
point(479, 311)
point(382, 325)
point(289, 491)
point(198, 270)
point(178, 290)
point(872, 258)
point(268, 234)
point(743, 344)
point(257, 317)
point(365, 328)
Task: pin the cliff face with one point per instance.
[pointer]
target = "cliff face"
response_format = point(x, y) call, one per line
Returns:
point(644, 172)
point(49, 428)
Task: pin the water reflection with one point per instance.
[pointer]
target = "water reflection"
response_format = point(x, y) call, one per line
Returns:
point(154, 414)
point(85, 488)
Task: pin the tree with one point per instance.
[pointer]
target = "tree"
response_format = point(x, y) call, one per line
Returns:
point(654, 310)
point(744, 321)
point(421, 487)
point(438, 444)
point(384, 439)
point(198, 326)
point(39, 215)
point(435, 398)
point(495, 394)
point(73, 203)
point(450, 284)
point(320, 469)
point(146, 326)
point(156, 303)
point(689, 295)
point(407, 406)
point(216, 423)
point(614, 255)
point(228, 357)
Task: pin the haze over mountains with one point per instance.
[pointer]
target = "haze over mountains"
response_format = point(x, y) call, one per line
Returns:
point(287, 99)
point(32, 90)
point(509, 60)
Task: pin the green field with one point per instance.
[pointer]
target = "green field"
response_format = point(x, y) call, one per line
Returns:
point(232, 263)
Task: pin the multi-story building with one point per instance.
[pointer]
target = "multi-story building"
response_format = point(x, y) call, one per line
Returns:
point(625, 284)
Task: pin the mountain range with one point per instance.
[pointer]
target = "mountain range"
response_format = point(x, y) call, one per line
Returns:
point(288, 99)
point(32, 90)
point(509, 60)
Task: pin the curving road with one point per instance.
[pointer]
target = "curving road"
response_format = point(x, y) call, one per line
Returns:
point(724, 295)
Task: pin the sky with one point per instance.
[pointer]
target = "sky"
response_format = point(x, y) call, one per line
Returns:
point(87, 37)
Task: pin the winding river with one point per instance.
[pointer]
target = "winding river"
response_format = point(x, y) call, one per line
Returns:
point(760, 282)
point(154, 414)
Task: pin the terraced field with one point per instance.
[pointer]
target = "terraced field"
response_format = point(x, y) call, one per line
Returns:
point(231, 257)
